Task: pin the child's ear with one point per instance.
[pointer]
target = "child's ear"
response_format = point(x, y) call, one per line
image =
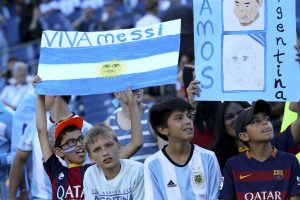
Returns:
point(163, 130)
point(59, 152)
point(244, 137)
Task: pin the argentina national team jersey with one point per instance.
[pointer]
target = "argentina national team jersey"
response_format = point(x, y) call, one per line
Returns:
point(246, 178)
point(199, 178)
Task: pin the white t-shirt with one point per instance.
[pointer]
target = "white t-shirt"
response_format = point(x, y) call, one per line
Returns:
point(40, 182)
point(147, 20)
point(13, 94)
point(128, 184)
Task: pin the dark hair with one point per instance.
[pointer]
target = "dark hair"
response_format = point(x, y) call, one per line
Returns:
point(63, 133)
point(13, 59)
point(160, 113)
point(151, 5)
point(189, 53)
point(225, 146)
point(205, 115)
point(66, 98)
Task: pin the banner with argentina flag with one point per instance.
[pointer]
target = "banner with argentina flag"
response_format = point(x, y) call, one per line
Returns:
point(83, 63)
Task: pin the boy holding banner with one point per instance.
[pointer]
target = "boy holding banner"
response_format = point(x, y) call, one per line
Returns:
point(67, 182)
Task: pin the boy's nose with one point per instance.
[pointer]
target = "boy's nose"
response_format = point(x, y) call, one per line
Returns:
point(188, 120)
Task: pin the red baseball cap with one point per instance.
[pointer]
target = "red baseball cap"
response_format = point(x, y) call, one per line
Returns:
point(73, 121)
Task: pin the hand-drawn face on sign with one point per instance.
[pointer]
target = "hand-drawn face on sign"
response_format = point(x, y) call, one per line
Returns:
point(247, 11)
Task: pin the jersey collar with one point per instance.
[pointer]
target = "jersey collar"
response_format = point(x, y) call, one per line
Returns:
point(274, 153)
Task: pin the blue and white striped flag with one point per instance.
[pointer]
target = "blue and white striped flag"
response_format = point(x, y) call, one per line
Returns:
point(85, 63)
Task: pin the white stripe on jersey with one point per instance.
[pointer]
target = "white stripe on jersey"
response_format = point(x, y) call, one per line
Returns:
point(142, 157)
point(150, 144)
point(144, 121)
point(172, 192)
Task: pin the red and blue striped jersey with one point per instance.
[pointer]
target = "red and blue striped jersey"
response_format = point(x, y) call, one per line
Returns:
point(67, 182)
point(246, 178)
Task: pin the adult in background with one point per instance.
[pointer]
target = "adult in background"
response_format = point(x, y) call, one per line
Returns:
point(179, 11)
point(12, 94)
point(151, 14)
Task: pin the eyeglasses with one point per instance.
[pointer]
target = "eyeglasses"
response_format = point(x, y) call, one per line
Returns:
point(73, 141)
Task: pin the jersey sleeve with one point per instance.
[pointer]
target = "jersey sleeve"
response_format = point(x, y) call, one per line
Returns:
point(294, 189)
point(139, 189)
point(25, 143)
point(215, 178)
point(53, 166)
point(152, 189)
point(227, 189)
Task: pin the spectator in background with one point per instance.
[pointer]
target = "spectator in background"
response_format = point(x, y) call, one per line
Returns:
point(151, 14)
point(6, 75)
point(119, 121)
point(3, 41)
point(179, 11)
point(10, 65)
point(5, 141)
point(113, 18)
point(52, 18)
point(12, 94)
point(87, 22)
point(226, 144)
point(29, 26)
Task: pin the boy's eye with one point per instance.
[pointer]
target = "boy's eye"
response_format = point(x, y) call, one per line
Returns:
point(191, 115)
point(267, 118)
point(255, 121)
point(80, 139)
point(178, 118)
point(109, 144)
point(71, 142)
point(96, 150)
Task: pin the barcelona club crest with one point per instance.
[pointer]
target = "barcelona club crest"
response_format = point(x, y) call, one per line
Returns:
point(197, 177)
point(278, 175)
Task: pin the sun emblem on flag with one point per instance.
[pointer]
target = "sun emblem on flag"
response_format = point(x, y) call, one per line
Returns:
point(111, 69)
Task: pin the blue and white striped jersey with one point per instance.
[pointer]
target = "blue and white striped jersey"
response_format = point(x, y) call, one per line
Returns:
point(124, 136)
point(199, 178)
